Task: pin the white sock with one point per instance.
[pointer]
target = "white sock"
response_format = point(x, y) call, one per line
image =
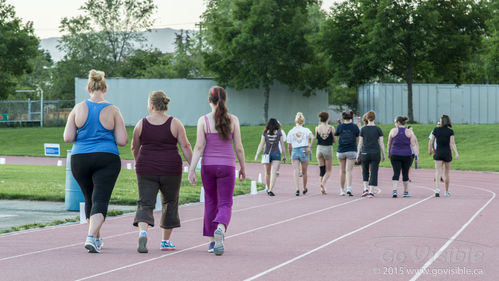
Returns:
point(395, 183)
point(221, 226)
point(349, 188)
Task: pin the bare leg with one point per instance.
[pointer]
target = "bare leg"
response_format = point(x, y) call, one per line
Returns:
point(321, 178)
point(343, 163)
point(329, 164)
point(304, 168)
point(166, 233)
point(296, 171)
point(438, 172)
point(349, 168)
point(143, 226)
point(95, 223)
point(406, 186)
point(267, 174)
point(273, 173)
point(446, 168)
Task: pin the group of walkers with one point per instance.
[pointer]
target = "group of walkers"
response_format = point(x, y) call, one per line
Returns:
point(358, 143)
point(97, 127)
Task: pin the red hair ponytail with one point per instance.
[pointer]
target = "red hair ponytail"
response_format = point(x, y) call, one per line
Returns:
point(222, 117)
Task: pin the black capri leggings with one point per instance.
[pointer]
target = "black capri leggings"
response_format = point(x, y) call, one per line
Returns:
point(96, 173)
point(372, 160)
point(400, 163)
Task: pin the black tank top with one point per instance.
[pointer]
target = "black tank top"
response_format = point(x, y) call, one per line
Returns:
point(325, 141)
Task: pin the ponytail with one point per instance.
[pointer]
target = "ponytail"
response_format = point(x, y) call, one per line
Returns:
point(222, 117)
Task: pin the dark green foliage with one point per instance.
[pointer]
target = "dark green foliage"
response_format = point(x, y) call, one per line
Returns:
point(18, 45)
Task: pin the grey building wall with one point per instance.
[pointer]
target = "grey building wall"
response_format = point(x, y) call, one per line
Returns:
point(189, 100)
point(466, 104)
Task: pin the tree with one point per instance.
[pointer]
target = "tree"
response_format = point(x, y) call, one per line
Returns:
point(406, 40)
point(18, 45)
point(491, 42)
point(112, 26)
point(101, 38)
point(40, 77)
point(253, 43)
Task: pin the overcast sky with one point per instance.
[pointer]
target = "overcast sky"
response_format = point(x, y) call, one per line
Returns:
point(47, 14)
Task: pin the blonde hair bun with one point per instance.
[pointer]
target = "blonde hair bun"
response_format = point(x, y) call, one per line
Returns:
point(300, 119)
point(96, 80)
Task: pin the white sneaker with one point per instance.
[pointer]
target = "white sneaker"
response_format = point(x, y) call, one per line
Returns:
point(342, 192)
point(349, 191)
point(437, 192)
point(447, 194)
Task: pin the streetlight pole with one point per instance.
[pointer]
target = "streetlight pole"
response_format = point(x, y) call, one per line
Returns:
point(41, 105)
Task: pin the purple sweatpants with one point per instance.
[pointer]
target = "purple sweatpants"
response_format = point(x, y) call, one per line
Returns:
point(218, 183)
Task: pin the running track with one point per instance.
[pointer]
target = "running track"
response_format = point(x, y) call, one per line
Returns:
point(311, 237)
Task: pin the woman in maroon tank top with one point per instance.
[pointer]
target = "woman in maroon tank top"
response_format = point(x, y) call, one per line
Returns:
point(159, 167)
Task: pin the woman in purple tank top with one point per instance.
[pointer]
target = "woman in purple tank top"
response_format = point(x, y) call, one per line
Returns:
point(400, 142)
point(216, 132)
point(158, 167)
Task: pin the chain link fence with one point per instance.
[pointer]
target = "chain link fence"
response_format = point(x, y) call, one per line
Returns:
point(27, 112)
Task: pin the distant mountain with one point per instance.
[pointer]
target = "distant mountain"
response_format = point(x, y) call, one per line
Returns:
point(162, 39)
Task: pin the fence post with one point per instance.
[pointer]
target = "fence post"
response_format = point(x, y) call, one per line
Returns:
point(29, 109)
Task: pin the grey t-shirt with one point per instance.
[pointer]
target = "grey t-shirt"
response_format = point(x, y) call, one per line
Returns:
point(272, 141)
point(370, 135)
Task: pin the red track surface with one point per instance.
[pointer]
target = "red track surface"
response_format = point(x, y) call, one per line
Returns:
point(311, 237)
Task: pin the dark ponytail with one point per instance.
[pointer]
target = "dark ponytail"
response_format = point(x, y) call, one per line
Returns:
point(222, 117)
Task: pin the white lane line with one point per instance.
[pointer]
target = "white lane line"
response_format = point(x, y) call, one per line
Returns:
point(135, 232)
point(423, 269)
point(131, 214)
point(228, 237)
point(335, 240)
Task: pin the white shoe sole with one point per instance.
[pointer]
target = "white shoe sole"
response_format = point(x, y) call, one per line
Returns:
point(218, 249)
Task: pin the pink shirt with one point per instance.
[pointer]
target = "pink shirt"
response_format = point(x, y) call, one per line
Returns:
point(217, 151)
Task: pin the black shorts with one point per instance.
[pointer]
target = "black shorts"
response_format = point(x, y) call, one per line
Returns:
point(446, 157)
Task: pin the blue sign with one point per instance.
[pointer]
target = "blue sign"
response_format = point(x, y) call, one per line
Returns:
point(52, 149)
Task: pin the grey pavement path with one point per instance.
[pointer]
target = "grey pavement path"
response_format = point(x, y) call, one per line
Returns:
point(15, 213)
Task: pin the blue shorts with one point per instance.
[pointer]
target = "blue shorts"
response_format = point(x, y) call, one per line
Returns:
point(275, 157)
point(300, 154)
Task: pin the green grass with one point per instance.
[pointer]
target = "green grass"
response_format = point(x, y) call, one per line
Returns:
point(46, 183)
point(478, 145)
point(110, 213)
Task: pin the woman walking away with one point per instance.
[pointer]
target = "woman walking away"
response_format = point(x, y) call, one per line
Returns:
point(299, 148)
point(158, 167)
point(216, 132)
point(401, 144)
point(434, 146)
point(272, 138)
point(96, 127)
point(370, 145)
point(444, 137)
point(325, 139)
point(347, 150)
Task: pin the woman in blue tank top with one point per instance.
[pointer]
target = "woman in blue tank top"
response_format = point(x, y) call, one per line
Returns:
point(96, 127)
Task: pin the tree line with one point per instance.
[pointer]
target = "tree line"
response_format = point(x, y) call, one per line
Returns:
point(256, 43)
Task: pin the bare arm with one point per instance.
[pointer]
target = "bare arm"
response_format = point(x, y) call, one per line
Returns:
point(239, 148)
point(198, 149)
point(260, 147)
point(389, 144)
point(71, 130)
point(184, 143)
point(312, 138)
point(431, 145)
point(120, 134)
point(135, 147)
point(332, 132)
point(283, 149)
point(454, 147)
point(382, 148)
point(414, 144)
point(359, 146)
point(290, 149)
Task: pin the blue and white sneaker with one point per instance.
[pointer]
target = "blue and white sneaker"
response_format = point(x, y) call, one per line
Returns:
point(210, 248)
point(167, 245)
point(99, 243)
point(406, 194)
point(218, 248)
point(342, 192)
point(394, 195)
point(447, 194)
point(142, 244)
point(349, 191)
point(90, 245)
point(437, 192)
